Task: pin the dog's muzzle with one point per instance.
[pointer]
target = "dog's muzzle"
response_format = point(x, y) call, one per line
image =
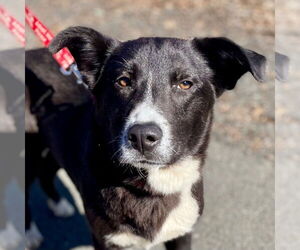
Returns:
point(144, 138)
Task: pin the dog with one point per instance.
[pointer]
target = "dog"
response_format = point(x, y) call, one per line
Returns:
point(39, 161)
point(136, 148)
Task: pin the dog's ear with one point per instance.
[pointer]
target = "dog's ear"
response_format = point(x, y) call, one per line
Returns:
point(88, 47)
point(229, 61)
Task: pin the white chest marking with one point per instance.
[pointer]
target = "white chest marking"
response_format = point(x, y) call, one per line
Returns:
point(178, 178)
point(127, 240)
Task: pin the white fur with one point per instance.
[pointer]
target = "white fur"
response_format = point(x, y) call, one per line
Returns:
point(87, 247)
point(63, 208)
point(178, 178)
point(33, 237)
point(175, 178)
point(146, 112)
point(148, 96)
point(127, 240)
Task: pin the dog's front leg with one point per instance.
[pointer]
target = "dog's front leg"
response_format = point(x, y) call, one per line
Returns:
point(180, 243)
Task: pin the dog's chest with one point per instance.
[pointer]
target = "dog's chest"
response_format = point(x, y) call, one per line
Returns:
point(180, 220)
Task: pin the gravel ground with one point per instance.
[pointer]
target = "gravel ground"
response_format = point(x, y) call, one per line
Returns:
point(239, 173)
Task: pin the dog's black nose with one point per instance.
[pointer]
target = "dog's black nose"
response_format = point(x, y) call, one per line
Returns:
point(144, 137)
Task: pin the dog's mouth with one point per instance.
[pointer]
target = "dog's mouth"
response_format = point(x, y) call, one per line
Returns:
point(151, 162)
point(147, 164)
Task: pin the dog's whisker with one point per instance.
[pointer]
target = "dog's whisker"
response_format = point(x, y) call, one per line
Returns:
point(115, 139)
point(174, 150)
point(140, 173)
point(115, 153)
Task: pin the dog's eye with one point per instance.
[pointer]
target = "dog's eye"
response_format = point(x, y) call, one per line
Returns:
point(185, 85)
point(123, 82)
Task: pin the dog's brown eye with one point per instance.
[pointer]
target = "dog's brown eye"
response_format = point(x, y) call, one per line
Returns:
point(123, 82)
point(185, 85)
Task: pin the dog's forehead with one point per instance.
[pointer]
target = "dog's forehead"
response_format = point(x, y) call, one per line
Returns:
point(154, 51)
point(156, 44)
point(162, 58)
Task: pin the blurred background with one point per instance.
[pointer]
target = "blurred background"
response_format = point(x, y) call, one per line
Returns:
point(239, 172)
point(288, 128)
point(12, 175)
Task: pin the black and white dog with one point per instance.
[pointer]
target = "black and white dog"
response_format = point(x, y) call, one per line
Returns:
point(136, 153)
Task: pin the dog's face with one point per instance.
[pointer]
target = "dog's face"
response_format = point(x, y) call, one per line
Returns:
point(155, 96)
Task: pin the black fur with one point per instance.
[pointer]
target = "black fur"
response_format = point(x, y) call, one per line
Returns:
point(85, 139)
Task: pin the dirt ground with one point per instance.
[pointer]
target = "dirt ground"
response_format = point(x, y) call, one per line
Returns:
point(239, 172)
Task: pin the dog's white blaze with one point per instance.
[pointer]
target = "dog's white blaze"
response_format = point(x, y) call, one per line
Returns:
point(178, 178)
point(146, 112)
point(148, 95)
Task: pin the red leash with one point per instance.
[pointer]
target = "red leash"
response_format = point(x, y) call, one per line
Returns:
point(63, 57)
point(13, 25)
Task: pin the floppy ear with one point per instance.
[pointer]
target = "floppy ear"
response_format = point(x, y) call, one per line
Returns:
point(88, 47)
point(229, 61)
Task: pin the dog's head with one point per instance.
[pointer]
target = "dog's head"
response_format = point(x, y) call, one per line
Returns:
point(155, 96)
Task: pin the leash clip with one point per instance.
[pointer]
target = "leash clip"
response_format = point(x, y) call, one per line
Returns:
point(73, 70)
